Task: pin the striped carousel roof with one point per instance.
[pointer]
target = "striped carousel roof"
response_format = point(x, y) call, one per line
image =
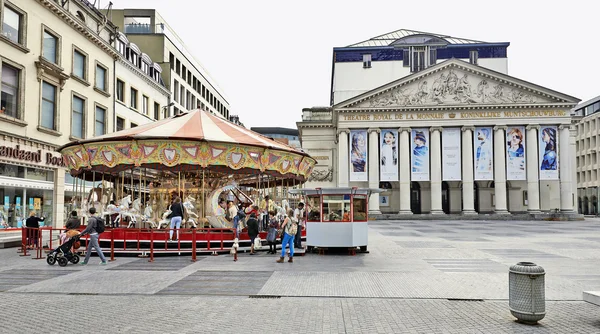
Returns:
point(193, 125)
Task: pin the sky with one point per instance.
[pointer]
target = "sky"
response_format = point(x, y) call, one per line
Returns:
point(273, 58)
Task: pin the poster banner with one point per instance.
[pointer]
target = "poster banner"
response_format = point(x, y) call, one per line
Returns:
point(420, 155)
point(451, 157)
point(548, 151)
point(515, 153)
point(358, 155)
point(484, 156)
point(388, 154)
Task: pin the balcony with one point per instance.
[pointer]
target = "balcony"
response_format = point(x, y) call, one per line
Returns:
point(144, 28)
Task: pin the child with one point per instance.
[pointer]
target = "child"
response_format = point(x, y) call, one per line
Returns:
point(272, 235)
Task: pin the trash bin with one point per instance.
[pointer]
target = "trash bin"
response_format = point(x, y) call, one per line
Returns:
point(527, 298)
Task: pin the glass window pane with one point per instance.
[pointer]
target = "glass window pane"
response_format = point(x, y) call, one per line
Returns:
point(10, 90)
point(100, 78)
point(120, 90)
point(77, 118)
point(100, 114)
point(79, 64)
point(11, 25)
point(48, 107)
point(49, 50)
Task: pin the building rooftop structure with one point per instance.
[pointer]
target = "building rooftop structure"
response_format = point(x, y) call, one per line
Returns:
point(404, 36)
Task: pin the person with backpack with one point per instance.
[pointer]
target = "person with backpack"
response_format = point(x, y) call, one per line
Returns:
point(94, 227)
point(289, 231)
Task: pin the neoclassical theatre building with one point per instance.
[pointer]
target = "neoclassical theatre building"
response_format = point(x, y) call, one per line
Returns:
point(438, 123)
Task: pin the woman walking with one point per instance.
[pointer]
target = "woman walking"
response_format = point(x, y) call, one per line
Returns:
point(272, 235)
point(289, 231)
point(176, 217)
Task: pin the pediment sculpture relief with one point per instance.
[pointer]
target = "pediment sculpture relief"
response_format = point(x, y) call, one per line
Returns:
point(452, 87)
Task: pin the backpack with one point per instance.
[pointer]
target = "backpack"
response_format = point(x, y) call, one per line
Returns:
point(99, 225)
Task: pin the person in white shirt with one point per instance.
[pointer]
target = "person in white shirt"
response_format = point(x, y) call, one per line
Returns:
point(300, 219)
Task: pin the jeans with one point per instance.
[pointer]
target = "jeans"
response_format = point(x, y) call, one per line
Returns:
point(175, 223)
point(93, 242)
point(287, 239)
point(236, 224)
point(298, 237)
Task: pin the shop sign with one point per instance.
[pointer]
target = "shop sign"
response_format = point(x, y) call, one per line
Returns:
point(31, 156)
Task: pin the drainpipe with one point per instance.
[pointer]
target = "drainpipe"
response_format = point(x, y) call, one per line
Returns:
point(114, 95)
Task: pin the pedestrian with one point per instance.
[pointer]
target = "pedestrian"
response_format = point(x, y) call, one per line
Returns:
point(232, 216)
point(266, 205)
point(289, 231)
point(299, 219)
point(176, 217)
point(113, 212)
point(272, 235)
point(33, 224)
point(252, 224)
point(91, 229)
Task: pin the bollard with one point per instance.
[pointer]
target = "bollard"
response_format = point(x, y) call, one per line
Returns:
point(527, 299)
point(112, 245)
point(151, 246)
point(194, 245)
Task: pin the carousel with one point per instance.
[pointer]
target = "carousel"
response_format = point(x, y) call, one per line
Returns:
point(198, 156)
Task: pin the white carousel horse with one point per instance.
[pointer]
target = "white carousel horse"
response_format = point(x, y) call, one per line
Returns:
point(125, 212)
point(189, 210)
point(146, 217)
point(165, 222)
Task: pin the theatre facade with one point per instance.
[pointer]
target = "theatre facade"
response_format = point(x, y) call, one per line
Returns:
point(454, 138)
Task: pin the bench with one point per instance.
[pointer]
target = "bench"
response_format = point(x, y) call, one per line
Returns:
point(592, 297)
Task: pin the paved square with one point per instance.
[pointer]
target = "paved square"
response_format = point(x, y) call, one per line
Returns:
point(419, 277)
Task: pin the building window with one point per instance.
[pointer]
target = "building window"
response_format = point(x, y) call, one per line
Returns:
point(50, 47)
point(101, 78)
point(145, 67)
point(77, 117)
point(188, 100)
point(473, 57)
point(182, 95)
point(417, 59)
point(145, 105)
point(156, 110)
point(172, 61)
point(176, 91)
point(100, 121)
point(120, 123)
point(12, 25)
point(177, 66)
point(48, 119)
point(133, 125)
point(183, 72)
point(9, 100)
point(432, 56)
point(79, 65)
point(121, 47)
point(120, 90)
point(189, 78)
point(134, 59)
point(367, 61)
point(134, 98)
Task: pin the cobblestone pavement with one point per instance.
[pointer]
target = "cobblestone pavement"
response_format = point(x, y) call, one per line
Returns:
point(420, 277)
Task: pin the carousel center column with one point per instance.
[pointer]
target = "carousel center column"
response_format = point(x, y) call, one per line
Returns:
point(343, 159)
point(500, 170)
point(564, 168)
point(533, 181)
point(404, 171)
point(436, 171)
point(374, 169)
point(467, 171)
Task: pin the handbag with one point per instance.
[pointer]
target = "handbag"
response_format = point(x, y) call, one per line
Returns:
point(257, 243)
point(272, 235)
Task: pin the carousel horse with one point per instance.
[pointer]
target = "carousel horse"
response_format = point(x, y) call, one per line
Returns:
point(146, 217)
point(165, 222)
point(126, 212)
point(189, 210)
point(98, 197)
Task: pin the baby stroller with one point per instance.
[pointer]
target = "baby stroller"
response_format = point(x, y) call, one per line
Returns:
point(63, 254)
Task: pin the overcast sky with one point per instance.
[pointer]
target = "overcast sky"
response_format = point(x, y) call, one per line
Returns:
point(273, 58)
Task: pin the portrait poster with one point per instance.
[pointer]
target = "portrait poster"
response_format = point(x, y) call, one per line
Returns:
point(358, 155)
point(548, 153)
point(384, 200)
point(388, 155)
point(420, 155)
point(451, 157)
point(515, 153)
point(484, 155)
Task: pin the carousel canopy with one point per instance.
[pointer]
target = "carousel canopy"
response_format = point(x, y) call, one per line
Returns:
point(188, 141)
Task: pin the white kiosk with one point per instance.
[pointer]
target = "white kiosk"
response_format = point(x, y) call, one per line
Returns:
point(337, 217)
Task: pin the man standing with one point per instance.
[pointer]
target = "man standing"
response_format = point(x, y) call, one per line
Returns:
point(91, 229)
point(299, 219)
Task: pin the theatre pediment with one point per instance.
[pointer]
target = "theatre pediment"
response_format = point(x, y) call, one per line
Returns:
point(457, 83)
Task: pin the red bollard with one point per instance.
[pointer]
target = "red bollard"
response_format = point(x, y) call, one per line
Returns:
point(151, 246)
point(194, 245)
point(112, 245)
point(39, 250)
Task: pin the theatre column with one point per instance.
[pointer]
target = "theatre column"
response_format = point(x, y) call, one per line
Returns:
point(343, 160)
point(467, 171)
point(436, 171)
point(564, 168)
point(404, 171)
point(533, 181)
point(500, 170)
point(374, 169)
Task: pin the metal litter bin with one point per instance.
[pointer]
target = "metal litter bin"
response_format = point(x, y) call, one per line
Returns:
point(527, 297)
